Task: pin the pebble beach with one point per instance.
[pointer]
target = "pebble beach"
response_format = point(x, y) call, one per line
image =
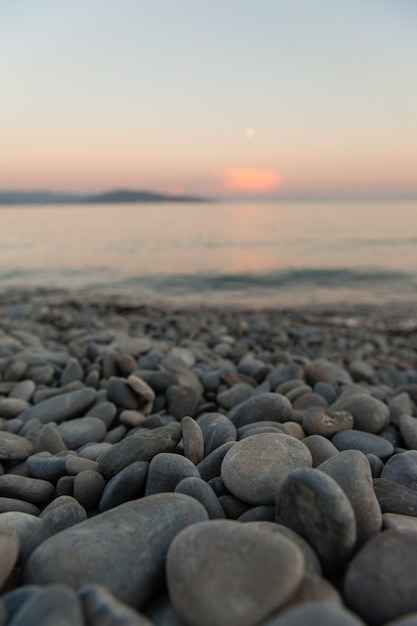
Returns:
point(206, 466)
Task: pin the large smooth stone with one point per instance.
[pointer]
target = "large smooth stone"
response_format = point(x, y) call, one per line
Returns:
point(254, 467)
point(222, 572)
point(142, 446)
point(313, 505)
point(63, 407)
point(123, 549)
point(351, 470)
point(265, 406)
point(381, 581)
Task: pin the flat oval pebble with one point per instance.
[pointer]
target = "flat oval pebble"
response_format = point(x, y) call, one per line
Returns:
point(320, 448)
point(77, 432)
point(352, 472)
point(315, 614)
point(123, 549)
point(265, 406)
point(367, 443)
point(142, 446)
point(381, 581)
point(210, 466)
point(88, 489)
point(61, 407)
point(315, 506)
point(326, 422)
point(256, 574)
point(33, 490)
point(393, 497)
point(254, 467)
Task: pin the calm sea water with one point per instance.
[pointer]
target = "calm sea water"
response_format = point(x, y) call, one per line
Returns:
point(257, 254)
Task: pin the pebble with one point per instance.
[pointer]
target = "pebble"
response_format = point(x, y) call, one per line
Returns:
point(166, 470)
point(142, 446)
point(62, 407)
point(13, 447)
point(102, 608)
point(313, 505)
point(88, 489)
point(201, 491)
point(128, 484)
point(266, 406)
point(399, 522)
point(381, 581)
point(393, 497)
point(243, 586)
point(369, 414)
point(408, 429)
point(352, 472)
point(77, 432)
point(33, 490)
point(217, 429)
point(193, 440)
point(182, 401)
point(364, 442)
point(322, 370)
point(326, 422)
point(55, 604)
point(402, 468)
point(320, 448)
point(254, 467)
point(101, 550)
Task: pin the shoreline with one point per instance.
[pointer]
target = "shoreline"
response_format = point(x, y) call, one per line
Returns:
point(391, 316)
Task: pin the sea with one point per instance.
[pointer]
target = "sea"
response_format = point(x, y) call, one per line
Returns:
point(246, 254)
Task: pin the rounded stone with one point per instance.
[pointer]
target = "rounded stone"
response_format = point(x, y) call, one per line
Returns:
point(77, 432)
point(369, 414)
point(101, 608)
point(367, 443)
point(217, 429)
point(61, 407)
point(265, 406)
point(326, 422)
point(193, 440)
point(182, 400)
point(394, 497)
point(22, 525)
point(381, 581)
point(88, 489)
point(128, 484)
point(33, 490)
point(123, 549)
point(121, 393)
point(320, 448)
point(322, 370)
point(14, 447)
point(352, 472)
point(142, 446)
point(166, 470)
point(256, 573)
point(235, 395)
point(408, 430)
point(402, 468)
point(313, 505)
point(254, 467)
point(210, 466)
point(201, 491)
point(396, 521)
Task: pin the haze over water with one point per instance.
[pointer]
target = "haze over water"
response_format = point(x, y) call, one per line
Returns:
point(251, 253)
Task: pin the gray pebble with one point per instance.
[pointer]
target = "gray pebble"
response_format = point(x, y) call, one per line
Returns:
point(88, 489)
point(266, 406)
point(367, 443)
point(193, 440)
point(128, 484)
point(55, 604)
point(166, 470)
point(33, 490)
point(310, 613)
point(402, 468)
point(77, 432)
point(102, 608)
point(217, 429)
point(13, 447)
point(201, 491)
point(61, 407)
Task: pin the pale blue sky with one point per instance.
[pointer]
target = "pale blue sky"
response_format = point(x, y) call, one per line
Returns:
point(185, 95)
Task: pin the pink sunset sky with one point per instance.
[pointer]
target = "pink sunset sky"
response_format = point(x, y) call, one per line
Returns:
point(227, 98)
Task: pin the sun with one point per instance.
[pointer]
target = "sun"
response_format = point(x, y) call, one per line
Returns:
point(250, 133)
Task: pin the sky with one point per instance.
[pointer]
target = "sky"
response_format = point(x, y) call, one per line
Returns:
point(229, 98)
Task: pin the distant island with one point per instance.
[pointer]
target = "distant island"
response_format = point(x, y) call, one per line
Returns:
point(107, 197)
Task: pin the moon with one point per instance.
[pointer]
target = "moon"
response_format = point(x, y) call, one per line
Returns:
point(250, 133)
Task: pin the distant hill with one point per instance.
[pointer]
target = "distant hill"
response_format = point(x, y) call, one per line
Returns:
point(107, 197)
